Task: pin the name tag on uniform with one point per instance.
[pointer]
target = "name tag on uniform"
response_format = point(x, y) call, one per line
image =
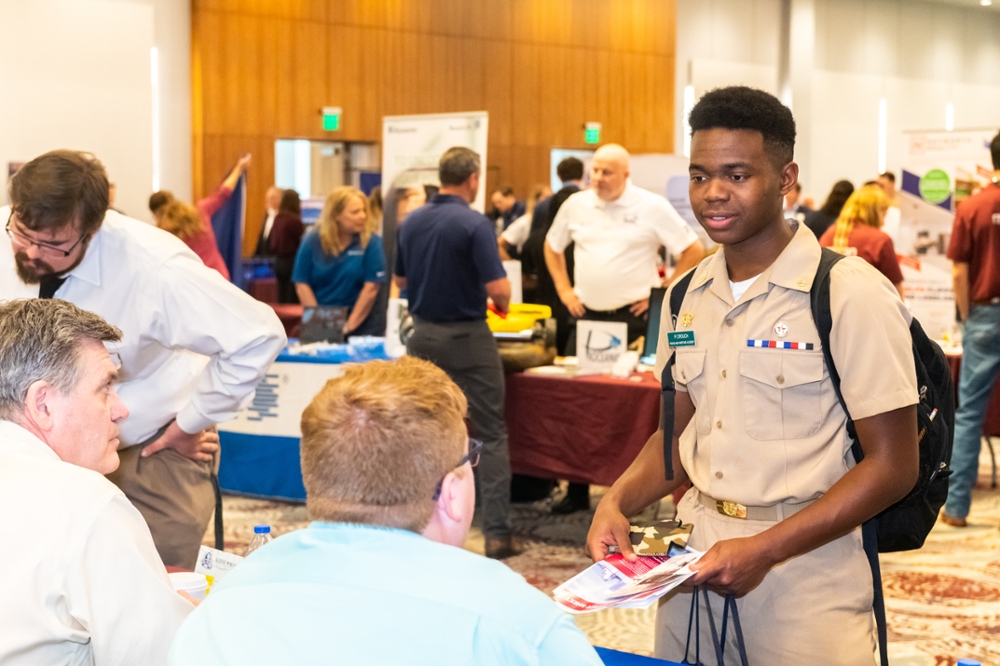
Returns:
point(680, 339)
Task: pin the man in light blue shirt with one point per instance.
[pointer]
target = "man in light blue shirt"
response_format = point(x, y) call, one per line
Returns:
point(380, 577)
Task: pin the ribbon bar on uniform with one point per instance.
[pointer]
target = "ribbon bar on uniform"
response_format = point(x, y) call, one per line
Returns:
point(780, 344)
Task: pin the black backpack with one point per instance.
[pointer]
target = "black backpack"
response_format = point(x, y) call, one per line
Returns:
point(905, 524)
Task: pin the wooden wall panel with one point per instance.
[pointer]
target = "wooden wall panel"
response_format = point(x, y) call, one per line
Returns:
point(262, 70)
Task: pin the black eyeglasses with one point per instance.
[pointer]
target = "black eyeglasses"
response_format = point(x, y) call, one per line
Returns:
point(24, 241)
point(472, 457)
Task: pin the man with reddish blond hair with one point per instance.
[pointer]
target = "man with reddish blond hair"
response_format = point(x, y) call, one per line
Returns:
point(386, 462)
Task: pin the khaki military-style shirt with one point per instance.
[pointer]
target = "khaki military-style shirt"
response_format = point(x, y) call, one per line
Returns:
point(768, 427)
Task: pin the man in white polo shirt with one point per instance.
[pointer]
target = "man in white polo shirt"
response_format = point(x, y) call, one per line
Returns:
point(618, 229)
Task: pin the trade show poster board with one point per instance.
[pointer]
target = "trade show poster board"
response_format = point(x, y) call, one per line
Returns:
point(413, 145)
point(940, 169)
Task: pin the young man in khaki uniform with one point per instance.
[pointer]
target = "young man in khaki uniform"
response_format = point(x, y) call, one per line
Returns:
point(777, 501)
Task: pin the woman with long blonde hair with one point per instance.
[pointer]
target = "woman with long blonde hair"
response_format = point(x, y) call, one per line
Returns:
point(858, 231)
point(341, 262)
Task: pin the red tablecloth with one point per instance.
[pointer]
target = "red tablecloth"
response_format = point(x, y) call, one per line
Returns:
point(264, 289)
point(290, 316)
point(991, 425)
point(582, 429)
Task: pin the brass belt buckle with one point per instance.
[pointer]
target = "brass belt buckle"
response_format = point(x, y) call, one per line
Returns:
point(731, 509)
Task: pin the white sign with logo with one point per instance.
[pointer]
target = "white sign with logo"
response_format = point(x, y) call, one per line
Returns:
point(398, 310)
point(940, 169)
point(599, 344)
point(413, 145)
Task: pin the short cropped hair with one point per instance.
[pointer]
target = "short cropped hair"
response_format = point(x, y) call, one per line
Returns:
point(40, 340)
point(995, 151)
point(743, 108)
point(505, 190)
point(58, 189)
point(570, 169)
point(158, 200)
point(377, 440)
point(889, 176)
point(456, 165)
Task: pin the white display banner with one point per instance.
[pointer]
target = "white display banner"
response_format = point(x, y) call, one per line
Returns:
point(413, 145)
point(940, 169)
point(513, 268)
point(280, 399)
point(599, 344)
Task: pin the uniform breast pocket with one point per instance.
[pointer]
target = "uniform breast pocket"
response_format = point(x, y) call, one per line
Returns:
point(690, 371)
point(781, 393)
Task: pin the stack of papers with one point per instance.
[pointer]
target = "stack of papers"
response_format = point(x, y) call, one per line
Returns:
point(663, 564)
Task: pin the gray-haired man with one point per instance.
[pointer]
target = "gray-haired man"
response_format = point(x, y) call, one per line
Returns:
point(447, 259)
point(82, 580)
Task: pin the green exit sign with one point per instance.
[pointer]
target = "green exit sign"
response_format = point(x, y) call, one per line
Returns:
point(592, 132)
point(331, 118)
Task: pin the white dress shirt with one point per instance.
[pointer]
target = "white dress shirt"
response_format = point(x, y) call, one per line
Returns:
point(617, 243)
point(268, 224)
point(82, 582)
point(518, 231)
point(194, 346)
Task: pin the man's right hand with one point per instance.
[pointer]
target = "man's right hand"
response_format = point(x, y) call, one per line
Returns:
point(572, 302)
point(200, 446)
point(609, 528)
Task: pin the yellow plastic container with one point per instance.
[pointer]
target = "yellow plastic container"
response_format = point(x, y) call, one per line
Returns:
point(521, 317)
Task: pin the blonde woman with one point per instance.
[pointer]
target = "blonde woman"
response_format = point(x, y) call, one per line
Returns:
point(341, 262)
point(185, 222)
point(858, 231)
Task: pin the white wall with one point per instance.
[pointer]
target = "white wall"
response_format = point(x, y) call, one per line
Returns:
point(916, 55)
point(76, 74)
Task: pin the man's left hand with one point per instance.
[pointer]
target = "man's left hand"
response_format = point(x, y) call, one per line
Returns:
point(639, 307)
point(733, 566)
point(200, 446)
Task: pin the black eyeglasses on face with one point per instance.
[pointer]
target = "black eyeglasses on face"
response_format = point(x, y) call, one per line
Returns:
point(472, 457)
point(25, 242)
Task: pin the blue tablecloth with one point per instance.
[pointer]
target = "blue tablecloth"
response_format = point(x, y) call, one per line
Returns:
point(260, 447)
point(627, 659)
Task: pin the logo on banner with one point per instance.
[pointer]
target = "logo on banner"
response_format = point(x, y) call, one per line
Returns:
point(599, 344)
point(603, 347)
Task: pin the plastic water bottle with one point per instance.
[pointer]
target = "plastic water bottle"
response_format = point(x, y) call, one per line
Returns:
point(261, 537)
point(968, 662)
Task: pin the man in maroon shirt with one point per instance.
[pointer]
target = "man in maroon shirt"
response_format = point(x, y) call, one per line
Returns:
point(975, 252)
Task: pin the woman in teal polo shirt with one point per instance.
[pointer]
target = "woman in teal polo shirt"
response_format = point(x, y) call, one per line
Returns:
point(341, 262)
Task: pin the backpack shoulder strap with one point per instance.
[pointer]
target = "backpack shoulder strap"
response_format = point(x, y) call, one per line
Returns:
point(819, 300)
point(819, 297)
point(667, 388)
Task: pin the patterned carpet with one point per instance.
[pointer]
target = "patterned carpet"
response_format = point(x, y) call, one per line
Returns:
point(943, 601)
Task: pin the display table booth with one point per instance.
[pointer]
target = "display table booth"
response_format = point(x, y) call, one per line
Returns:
point(260, 447)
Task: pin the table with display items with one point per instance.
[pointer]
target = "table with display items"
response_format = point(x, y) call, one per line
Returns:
point(582, 429)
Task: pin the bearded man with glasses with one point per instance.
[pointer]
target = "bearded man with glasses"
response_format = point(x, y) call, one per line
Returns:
point(193, 347)
point(381, 577)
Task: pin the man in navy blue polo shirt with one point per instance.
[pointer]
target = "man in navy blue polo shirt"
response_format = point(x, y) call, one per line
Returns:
point(447, 260)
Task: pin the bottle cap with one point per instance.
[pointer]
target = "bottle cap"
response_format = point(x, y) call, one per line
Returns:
point(262, 529)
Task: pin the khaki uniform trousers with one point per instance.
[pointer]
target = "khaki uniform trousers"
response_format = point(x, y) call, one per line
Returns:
point(174, 494)
point(813, 609)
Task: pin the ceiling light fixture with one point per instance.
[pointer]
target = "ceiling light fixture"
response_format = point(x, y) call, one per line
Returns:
point(986, 3)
